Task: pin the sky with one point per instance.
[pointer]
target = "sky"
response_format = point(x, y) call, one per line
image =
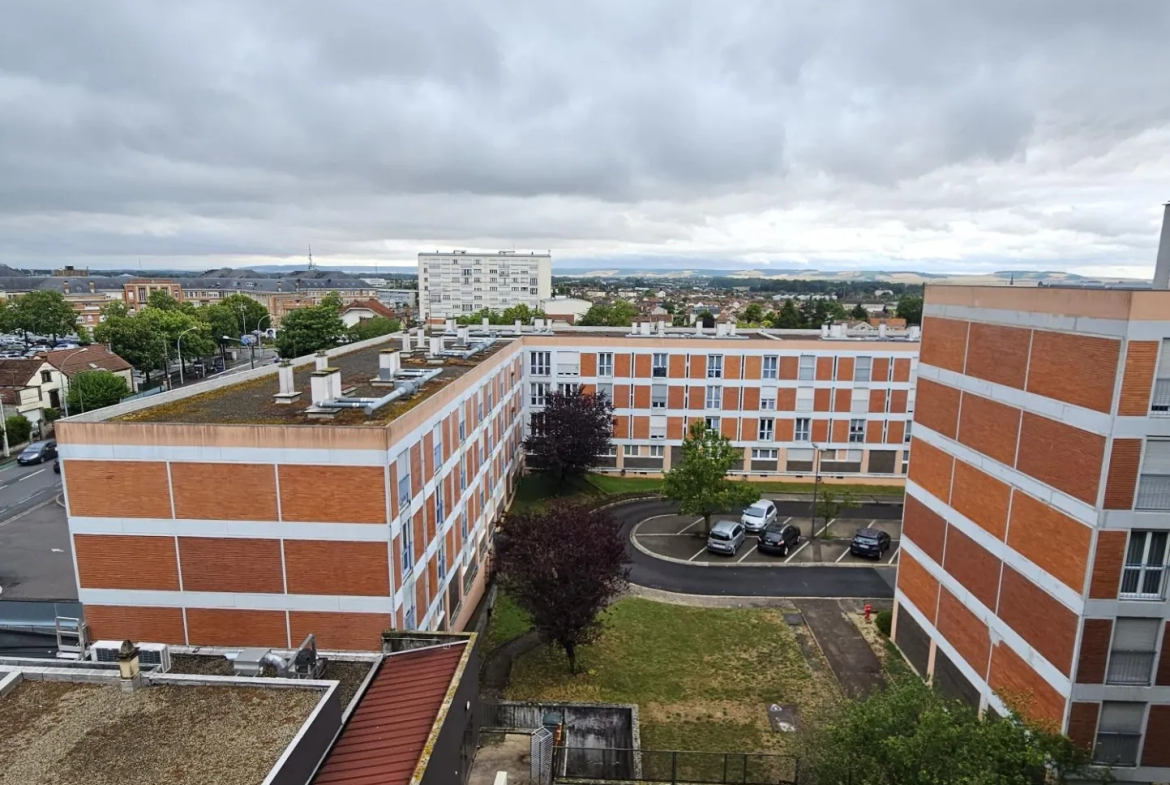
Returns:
point(901, 135)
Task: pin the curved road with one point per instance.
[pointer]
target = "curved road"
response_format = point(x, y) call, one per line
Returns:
point(788, 581)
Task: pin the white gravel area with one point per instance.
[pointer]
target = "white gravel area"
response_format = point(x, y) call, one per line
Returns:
point(60, 733)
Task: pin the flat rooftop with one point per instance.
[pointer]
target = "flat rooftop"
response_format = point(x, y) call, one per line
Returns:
point(70, 733)
point(349, 674)
point(252, 401)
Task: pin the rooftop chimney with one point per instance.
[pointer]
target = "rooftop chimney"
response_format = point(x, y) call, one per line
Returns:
point(1162, 267)
point(518, 326)
point(915, 332)
point(322, 361)
point(436, 345)
point(321, 385)
point(824, 331)
point(388, 364)
point(485, 323)
point(406, 342)
point(646, 328)
point(287, 393)
point(450, 325)
point(731, 328)
point(464, 333)
point(661, 327)
point(881, 331)
point(699, 327)
point(720, 329)
point(128, 667)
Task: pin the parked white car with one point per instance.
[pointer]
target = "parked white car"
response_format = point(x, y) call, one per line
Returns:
point(757, 517)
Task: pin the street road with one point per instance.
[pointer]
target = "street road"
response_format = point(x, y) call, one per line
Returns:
point(24, 487)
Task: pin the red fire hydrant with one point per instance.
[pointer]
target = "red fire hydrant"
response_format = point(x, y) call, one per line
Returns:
point(868, 611)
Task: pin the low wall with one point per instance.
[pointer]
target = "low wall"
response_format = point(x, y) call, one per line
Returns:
point(588, 726)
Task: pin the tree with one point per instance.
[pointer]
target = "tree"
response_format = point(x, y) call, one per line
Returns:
point(859, 313)
point(234, 316)
point(571, 433)
point(162, 300)
point(372, 328)
point(828, 504)
point(788, 317)
point(94, 389)
point(699, 484)
point(910, 733)
point(910, 308)
point(310, 329)
point(43, 312)
point(509, 316)
point(131, 339)
point(563, 565)
point(753, 314)
point(617, 314)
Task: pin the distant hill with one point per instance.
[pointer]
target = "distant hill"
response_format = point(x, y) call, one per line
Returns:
point(1004, 277)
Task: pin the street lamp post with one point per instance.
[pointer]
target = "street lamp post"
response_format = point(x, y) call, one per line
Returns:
point(65, 384)
point(252, 347)
point(179, 351)
point(816, 487)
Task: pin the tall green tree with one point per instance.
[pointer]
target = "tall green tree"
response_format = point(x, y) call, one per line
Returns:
point(310, 329)
point(617, 314)
point(910, 308)
point(131, 339)
point(162, 301)
point(788, 317)
point(860, 313)
point(43, 312)
point(753, 314)
point(234, 316)
point(372, 328)
point(909, 733)
point(508, 317)
point(700, 484)
point(90, 390)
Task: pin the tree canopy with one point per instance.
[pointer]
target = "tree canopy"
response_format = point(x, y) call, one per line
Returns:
point(910, 308)
point(42, 312)
point(563, 565)
point(90, 390)
point(571, 433)
point(909, 733)
point(372, 328)
point(509, 315)
point(700, 484)
point(310, 329)
point(618, 314)
point(859, 312)
point(753, 314)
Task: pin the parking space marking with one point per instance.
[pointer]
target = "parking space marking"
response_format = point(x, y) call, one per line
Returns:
point(798, 550)
point(749, 552)
point(683, 530)
point(700, 553)
point(33, 474)
point(894, 558)
point(842, 556)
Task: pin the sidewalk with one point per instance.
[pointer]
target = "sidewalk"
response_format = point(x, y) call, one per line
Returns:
point(861, 498)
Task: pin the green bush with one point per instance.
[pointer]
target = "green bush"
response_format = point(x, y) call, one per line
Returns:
point(52, 415)
point(18, 427)
point(883, 620)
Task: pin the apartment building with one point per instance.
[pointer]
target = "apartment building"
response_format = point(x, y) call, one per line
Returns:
point(460, 283)
point(136, 292)
point(778, 397)
point(1033, 568)
point(344, 495)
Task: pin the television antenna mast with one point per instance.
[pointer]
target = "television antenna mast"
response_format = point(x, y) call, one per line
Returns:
point(311, 265)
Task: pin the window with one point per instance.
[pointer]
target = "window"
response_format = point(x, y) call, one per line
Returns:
point(1145, 566)
point(537, 392)
point(440, 504)
point(1160, 404)
point(767, 399)
point(437, 439)
point(713, 423)
point(715, 366)
point(658, 367)
point(1154, 482)
point(862, 369)
point(606, 389)
point(808, 365)
point(910, 395)
point(860, 402)
point(764, 454)
point(462, 426)
point(658, 396)
point(857, 430)
point(539, 363)
point(441, 558)
point(658, 426)
point(462, 476)
point(803, 431)
point(714, 397)
point(568, 363)
point(463, 526)
point(657, 451)
point(568, 388)
point(408, 620)
point(605, 364)
point(46, 377)
point(407, 544)
point(767, 429)
point(804, 399)
point(630, 450)
point(771, 367)
point(1119, 733)
point(1135, 644)
point(404, 480)
point(906, 434)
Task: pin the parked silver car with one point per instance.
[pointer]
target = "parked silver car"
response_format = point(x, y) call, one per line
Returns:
point(725, 538)
point(757, 517)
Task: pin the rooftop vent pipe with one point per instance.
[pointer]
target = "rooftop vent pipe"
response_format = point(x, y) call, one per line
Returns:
point(464, 333)
point(915, 332)
point(485, 323)
point(661, 327)
point(824, 331)
point(406, 342)
point(322, 361)
point(322, 385)
point(720, 329)
point(881, 331)
point(646, 327)
point(287, 393)
point(436, 346)
point(699, 327)
point(1162, 267)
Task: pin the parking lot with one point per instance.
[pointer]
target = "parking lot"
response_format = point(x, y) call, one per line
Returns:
point(677, 538)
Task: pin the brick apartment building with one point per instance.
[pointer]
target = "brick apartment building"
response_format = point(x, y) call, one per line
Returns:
point(1033, 565)
point(227, 513)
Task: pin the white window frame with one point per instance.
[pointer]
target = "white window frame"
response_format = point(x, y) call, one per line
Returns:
point(657, 451)
point(605, 364)
point(766, 431)
point(714, 366)
point(1143, 563)
point(714, 424)
point(713, 398)
point(856, 431)
point(406, 527)
point(659, 401)
point(771, 367)
point(537, 393)
point(441, 558)
point(658, 365)
point(630, 450)
point(405, 491)
point(437, 449)
point(540, 363)
point(1153, 489)
point(802, 431)
point(1133, 651)
point(764, 453)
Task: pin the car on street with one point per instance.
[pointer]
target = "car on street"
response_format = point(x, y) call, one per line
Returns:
point(725, 538)
point(870, 543)
point(757, 517)
point(57, 466)
point(38, 452)
point(778, 538)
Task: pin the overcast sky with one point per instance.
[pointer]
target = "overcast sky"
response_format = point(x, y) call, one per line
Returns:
point(894, 135)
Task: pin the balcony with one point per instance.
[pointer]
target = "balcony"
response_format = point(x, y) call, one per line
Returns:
point(1160, 405)
point(1153, 492)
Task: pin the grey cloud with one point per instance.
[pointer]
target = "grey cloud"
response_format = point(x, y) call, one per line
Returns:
point(248, 128)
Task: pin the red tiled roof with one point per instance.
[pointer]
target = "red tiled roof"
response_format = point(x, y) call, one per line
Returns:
point(385, 737)
point(371, 305)
point(18, 373)
point(95, 357)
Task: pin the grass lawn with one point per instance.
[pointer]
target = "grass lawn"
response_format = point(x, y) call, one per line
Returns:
point(508, 621)
point(702, 677)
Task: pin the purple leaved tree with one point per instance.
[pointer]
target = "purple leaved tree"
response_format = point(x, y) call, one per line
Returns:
point(571, 433)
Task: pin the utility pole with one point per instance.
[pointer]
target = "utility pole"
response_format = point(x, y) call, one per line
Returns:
point(4, 425)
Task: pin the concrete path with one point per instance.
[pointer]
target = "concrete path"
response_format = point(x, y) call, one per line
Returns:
point(853, 661)
point(497, 671)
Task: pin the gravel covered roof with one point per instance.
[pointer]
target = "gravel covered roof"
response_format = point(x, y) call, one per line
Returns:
point(62, 733)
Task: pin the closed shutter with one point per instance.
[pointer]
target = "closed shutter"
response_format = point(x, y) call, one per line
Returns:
point(1136, 634)
point(860, 402)
point(1118, 717)
point(1164, 360)
point(1157, 458)
point(804, 399)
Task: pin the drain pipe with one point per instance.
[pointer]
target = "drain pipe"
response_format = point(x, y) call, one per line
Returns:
point(407, 388)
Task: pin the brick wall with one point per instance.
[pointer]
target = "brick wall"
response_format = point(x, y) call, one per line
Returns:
point(973, 566)
point(231, 565)
point(336, 494)
point(1096, 635)
point(944, 343)
point(1137, 382)
point(998, 354)
point(1062, 456)
point(224, 491)
point(126, 562)
point(340, 631)
point(1076, 369)
point(1156, 749)
point(963, 630)
point(1121, 483)
point(1047, 625)
point(931, 468)
point(144, 624)
point(1024, 689)
point(1051, 540)
point(938, 407)
point(236, 627)
point(989, 427)
point(919, 586)
point(981, 498)
point(1107, 561)
point(1082, 724)
point(923, 527)
point(117, 489)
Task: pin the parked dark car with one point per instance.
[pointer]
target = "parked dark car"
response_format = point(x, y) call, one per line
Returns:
point(57, 466)
point(778, 538)
point(38, 452)
point(870, 543)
